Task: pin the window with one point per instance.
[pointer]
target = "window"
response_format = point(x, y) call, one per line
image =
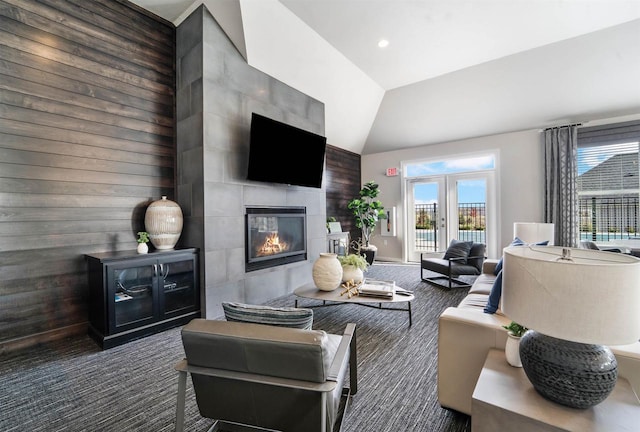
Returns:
point(608, 182)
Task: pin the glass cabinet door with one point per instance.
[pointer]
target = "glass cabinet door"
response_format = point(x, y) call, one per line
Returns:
point(132, 291)
point(178, 284)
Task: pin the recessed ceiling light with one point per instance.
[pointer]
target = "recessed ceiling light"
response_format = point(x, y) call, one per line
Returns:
point(383, 43)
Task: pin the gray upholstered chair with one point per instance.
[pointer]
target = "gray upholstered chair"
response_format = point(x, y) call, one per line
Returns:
point(460, 258)
point(249, 376)
point(586, 244)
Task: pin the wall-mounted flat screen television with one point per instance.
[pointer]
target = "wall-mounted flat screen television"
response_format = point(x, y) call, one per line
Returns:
point(281, 153)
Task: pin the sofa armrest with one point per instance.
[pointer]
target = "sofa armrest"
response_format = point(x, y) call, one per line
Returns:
point(489, 265)
point(464, 339)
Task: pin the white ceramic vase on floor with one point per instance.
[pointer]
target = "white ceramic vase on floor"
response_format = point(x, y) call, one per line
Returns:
point(327, 272)
point(512, 350)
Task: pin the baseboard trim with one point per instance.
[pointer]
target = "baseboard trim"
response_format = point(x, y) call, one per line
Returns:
point(43, 337)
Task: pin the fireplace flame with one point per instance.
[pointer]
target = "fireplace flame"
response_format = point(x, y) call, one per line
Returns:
point(272, 245)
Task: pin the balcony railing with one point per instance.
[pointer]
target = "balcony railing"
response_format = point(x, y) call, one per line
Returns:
point(601, 219)
point(471, 225)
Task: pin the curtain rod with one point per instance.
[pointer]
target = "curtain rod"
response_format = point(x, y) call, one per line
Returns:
point(556, 127)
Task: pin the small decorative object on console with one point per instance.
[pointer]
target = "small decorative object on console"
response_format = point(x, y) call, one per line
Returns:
point(163, 222)
point(143, 238)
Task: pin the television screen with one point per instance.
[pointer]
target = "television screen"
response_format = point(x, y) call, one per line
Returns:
point(281, 153)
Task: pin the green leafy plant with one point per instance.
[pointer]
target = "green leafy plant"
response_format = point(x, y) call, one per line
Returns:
point(516, 329)
point(357, 261)
point(143, 237)
point(367, 211)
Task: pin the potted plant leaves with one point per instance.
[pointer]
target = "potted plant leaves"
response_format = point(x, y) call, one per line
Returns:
point(143, 238)
point(367, 210)
point(353, 267)
point(512, 347)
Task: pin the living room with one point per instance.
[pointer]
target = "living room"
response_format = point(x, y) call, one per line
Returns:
point(90, 137)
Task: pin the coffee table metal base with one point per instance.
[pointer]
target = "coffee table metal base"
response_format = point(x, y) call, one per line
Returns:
point(333, 298)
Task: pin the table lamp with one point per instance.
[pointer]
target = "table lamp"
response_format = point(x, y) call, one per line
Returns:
point(574, 301)
point(534, 232)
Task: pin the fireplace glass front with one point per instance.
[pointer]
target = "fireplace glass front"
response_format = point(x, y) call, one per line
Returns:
point(275, 236)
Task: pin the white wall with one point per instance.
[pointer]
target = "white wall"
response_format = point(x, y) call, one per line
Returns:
point(519, 182)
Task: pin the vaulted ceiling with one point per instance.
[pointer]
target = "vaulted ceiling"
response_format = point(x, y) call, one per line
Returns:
point(453, 69)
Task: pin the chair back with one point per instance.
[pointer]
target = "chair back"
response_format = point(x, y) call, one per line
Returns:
point(586, 244)
point(477, 255)
point(259, 350)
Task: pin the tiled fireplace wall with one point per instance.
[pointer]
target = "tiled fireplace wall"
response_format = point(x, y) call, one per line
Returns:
point(216, 93)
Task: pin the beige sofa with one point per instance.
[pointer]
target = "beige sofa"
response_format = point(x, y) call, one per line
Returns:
point(466, 334)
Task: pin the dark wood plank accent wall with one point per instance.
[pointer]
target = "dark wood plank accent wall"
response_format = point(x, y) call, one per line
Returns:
point(343, 183)
point(87, 131)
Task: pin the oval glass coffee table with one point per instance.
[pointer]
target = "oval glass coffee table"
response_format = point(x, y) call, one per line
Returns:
point(333, 298)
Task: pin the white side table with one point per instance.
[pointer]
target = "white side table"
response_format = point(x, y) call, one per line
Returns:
point(505, 400)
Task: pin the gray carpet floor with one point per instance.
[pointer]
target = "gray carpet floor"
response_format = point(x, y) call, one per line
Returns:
point(71, 385)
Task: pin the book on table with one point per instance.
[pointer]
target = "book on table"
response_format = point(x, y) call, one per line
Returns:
point(377, 288)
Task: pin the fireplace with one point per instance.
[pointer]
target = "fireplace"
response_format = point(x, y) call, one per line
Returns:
point(275, 236)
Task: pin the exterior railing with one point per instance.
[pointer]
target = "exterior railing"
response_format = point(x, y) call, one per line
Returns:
point(601, 219)
point(471, 225)
point(610, 218)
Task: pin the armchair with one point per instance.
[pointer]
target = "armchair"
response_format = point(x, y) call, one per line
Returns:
point(586, 244)
point(461, 258)
point(249, 376)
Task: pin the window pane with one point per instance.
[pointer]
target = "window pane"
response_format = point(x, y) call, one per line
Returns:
point(608, 191)
point(422, 169)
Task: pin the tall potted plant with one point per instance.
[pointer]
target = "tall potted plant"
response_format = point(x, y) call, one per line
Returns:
point(368, 210)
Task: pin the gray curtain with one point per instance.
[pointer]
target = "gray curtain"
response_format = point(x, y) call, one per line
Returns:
point(561, 194)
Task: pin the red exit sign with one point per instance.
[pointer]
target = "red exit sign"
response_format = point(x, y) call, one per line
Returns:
point(392, 172)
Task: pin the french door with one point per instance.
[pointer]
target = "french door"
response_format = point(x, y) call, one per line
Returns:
point(453, 206)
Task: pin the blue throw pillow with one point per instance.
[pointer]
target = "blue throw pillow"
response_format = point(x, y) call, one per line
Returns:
point(516, 242)
point(494, 297)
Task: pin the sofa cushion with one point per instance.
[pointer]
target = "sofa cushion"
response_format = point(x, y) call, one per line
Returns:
point(493, 303)
point(483, 284)
point(458, 249)
point(301, 318)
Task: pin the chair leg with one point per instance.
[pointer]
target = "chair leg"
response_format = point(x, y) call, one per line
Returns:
point(353, 365)
point(182, 388)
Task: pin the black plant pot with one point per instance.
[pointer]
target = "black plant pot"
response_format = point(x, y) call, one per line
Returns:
point(369, 254)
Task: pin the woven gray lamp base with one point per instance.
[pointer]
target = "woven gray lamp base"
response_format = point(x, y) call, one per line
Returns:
point(573, 374)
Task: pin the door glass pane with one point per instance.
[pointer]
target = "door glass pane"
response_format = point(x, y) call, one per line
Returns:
point(179, 285)
point(471, 210)
point(427, 217)
point(133, 294)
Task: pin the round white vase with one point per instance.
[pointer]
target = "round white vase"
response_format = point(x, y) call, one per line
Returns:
point(352, 273)
point(163, 222)
point(142, 248)
point(327, 272)
point(512, 350)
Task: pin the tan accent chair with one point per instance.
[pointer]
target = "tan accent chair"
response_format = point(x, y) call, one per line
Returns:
point(249, 376)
